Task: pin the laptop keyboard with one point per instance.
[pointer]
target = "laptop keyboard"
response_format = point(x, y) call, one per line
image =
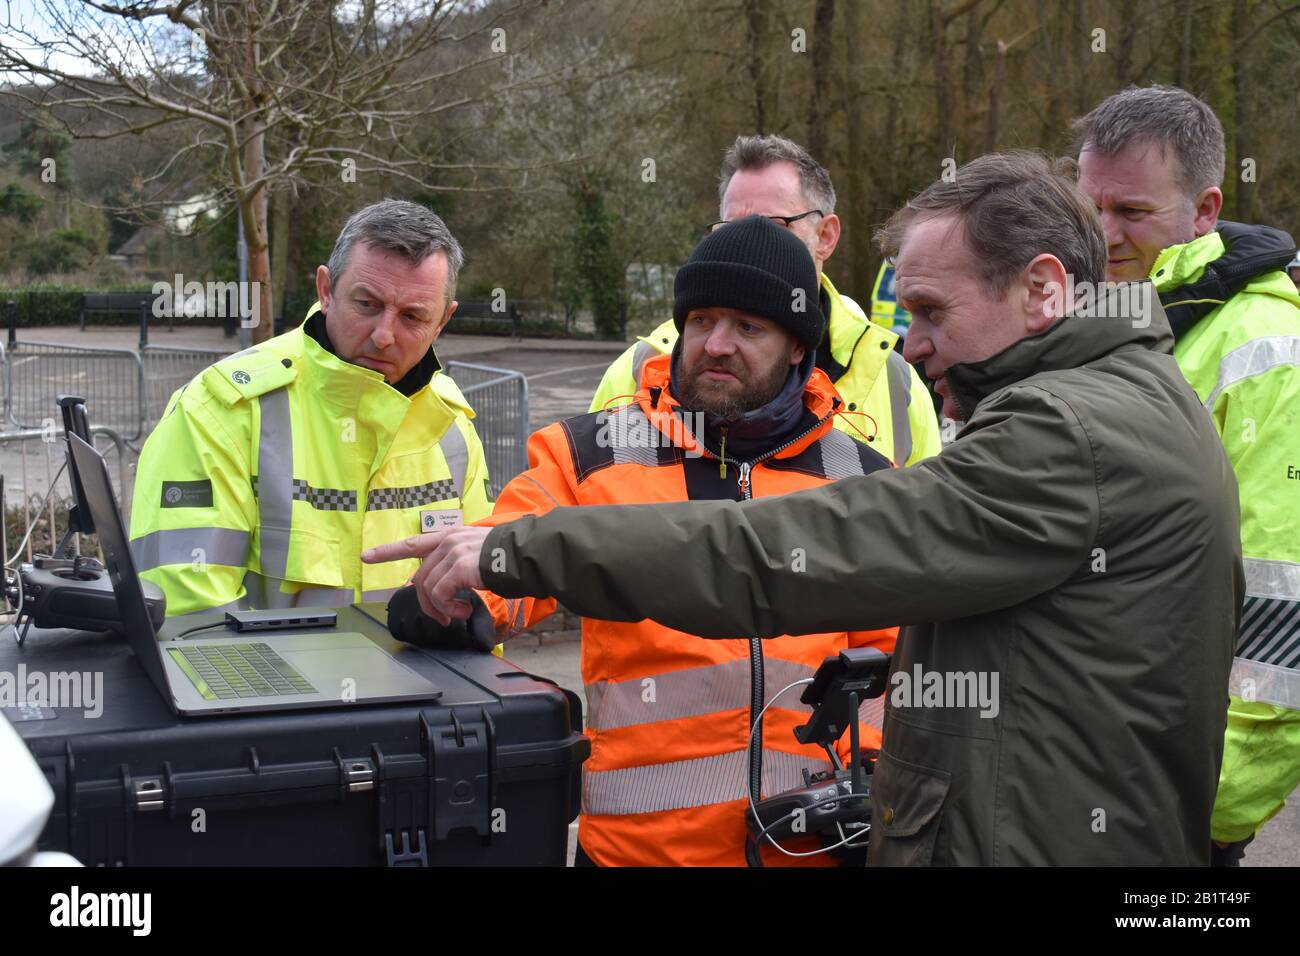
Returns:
point(232, 671)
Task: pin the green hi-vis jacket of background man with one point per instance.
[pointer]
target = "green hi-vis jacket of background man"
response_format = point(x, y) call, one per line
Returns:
point(1078, 543)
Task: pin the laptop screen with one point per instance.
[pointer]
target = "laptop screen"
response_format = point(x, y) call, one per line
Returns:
point(93, 475)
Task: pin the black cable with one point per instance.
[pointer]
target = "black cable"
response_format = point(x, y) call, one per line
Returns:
point(201, 627)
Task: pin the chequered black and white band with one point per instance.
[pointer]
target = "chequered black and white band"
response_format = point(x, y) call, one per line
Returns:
point(382, 499)
point(324, 499)
point(379, 499)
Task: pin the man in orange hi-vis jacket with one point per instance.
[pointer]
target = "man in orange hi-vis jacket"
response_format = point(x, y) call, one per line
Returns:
point(737, 411)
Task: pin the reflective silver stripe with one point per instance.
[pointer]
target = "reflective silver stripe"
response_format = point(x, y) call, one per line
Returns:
point(681, 784)
point(516, 614)
point(1255, 681)
point(640, 355)
point(178, 546)
point(382, 594)
point(1254, 358)
point(872, 713)
point(456, 451)
point(631, 436)
point(275, 482)
point(691, 692)
point(1272, 579)
point(264, 593)
point(840, 457)
point(900, 397)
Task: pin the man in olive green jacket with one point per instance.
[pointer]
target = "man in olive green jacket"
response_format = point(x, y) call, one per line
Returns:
point(1074, 566)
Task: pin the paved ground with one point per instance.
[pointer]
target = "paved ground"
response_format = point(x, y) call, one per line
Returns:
point(560, 383)
point(561, 378)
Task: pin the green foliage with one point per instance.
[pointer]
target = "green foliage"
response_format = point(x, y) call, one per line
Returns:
point(40, 139)
point(63, 250)
point(51, 304)
point(883, 92)
point(19, 204)
point(595, 265)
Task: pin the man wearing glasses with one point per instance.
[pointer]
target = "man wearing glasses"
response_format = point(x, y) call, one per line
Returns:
point(887, 404)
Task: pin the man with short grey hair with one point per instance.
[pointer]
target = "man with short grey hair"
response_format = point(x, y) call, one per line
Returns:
point(1152, 160)
point(273, 469)
point(1059, 552)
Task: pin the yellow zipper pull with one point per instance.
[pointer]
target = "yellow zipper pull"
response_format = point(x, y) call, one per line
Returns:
point(722, 457)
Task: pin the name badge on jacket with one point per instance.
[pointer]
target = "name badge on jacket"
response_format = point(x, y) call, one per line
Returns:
point(441, 520)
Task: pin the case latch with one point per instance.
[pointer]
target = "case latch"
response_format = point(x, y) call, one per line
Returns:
point(407, 856)
point(461, 758)
point(360, 775)
point(149, 794)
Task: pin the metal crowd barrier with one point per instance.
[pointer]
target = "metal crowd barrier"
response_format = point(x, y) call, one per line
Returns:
point(31, 460)
point(166, 369)
point(499, 398)
point(127, 391)
point(111, 380)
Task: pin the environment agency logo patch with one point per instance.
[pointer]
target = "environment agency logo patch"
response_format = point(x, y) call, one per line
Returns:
point(241, 377)
point(187, 494)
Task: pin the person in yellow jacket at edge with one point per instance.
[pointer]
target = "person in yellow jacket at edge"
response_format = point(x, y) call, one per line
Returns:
point(1152, 160)
point(273, 469)
point(887, 403)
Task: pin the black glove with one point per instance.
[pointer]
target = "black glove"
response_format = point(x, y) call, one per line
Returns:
point(407, 622)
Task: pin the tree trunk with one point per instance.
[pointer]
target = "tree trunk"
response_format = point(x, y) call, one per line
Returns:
point(821, 60)
point(280, 205)
point(995, 98)
point(944, 139)
point(757, 22)
point(1052, 49)
point(253, 209)
point(292, 277)
point(1185, 48)
point(1242, 148)
point(1082, 50)
point(899, 65)
point(972, 71)
point(856, 279)
point(1127, 38)
point(254, 205)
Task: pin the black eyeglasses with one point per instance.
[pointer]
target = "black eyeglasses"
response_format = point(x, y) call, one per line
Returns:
point(786, 221)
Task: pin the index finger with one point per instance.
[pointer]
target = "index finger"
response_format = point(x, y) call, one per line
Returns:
point(416, 546)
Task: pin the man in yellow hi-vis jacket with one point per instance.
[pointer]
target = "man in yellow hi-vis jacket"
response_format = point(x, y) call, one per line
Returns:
point(273, 469)
point(1152, 161)
point(888, 406)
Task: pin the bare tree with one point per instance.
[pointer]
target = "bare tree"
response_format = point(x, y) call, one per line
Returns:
point(272, 93)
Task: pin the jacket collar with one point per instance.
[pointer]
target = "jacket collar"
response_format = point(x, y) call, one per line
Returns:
point(1195, 278)
point(1075, 340)
point(820, 401)
point(414, 380)
point(845, 327)
point(399, 423)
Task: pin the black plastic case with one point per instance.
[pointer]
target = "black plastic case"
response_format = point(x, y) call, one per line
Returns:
point(487, 775)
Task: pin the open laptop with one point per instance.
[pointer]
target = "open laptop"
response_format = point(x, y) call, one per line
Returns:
point(215, 674)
